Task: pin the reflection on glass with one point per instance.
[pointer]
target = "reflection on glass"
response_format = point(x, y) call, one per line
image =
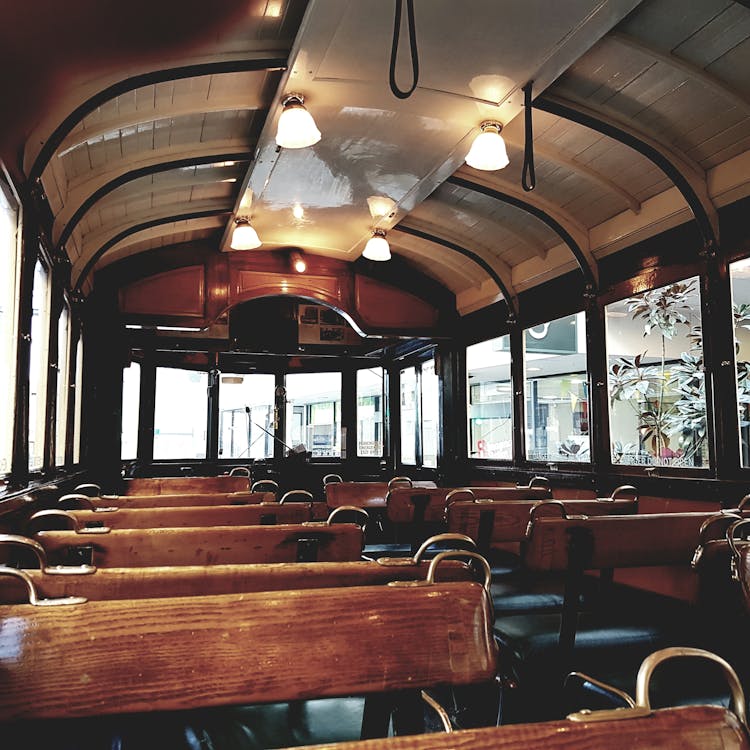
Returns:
point(656, 381)
point(180, 415)
point(63, 373)
point(313, 412)
point(490, 406)
point(740, 278)
point(246, 415)
point(557, 409)
point(38, 365)
point(370, 412)
point(131, 392)
point(408, 415)
point(430, 414)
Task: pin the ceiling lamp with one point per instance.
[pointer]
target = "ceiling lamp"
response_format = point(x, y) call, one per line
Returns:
point(299, 264)
point(377, 247)
point(244, 237)
point(488, 150)
point(297, 128)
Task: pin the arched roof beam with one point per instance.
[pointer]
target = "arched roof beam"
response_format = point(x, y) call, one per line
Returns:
point(497, 270)
point(561, 223)
point(267, 60)
point(711, 82)
point(69, 221)
point(687, 175)
point(105, 241)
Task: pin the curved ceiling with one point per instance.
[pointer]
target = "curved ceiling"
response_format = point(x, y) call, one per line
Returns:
point(641, 121)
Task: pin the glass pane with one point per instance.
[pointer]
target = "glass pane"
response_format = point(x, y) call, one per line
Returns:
point(490, 406)
point(131, 401)
point(408, 415)
point(557, 404)
point(246, 404)
point(77, 436)
point(8, 326)
point(740, 277)
point(38, 365)
point(313, 412)
point(370, 412)
point(430, 414)
point(656, 381)
point(181, 414)
point(63, 374)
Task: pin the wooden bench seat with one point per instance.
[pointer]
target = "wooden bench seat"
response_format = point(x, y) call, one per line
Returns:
point(365, 494)
point(77, 500)
point(215, 545)
point(184, 485)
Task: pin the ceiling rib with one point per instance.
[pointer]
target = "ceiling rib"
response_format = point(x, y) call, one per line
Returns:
point(567, 228)
point(687, 175)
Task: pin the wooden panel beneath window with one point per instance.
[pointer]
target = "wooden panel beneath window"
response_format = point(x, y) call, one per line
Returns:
point(383, 306)
point(245, 285)
point(180, 292)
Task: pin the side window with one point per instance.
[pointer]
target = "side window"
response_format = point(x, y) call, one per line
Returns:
point(408, 384)
point(313, 412)
point(370, 402)
point(739, 273)
point(38, 365)
point(656, 381)
point(430, 414)
point(63, 381)
point(180, 414)
point(77, 433)
point(131, 399)
point(246, 415)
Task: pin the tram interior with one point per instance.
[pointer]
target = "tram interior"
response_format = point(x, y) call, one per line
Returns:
point(375, 374)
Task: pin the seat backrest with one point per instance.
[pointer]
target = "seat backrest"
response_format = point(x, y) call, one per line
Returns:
point(187, 652)
point(213, 545)
point(498, 521)
point(185, 499)
point(185, 485)
point(364, 494)
point(613, 541)
point(176, 517)
point(512, 493)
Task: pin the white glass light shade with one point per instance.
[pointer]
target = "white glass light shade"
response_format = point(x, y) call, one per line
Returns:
point(377, 248)
point(488, 150)
point(296, 129)
point(244, 237)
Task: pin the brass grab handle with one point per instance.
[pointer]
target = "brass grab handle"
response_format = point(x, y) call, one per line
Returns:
point(34, 599)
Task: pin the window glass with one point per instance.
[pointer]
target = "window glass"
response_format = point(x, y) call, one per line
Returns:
point(246, 416)
point(131, 402)
point(38, 365)
point(740, 278)
point(63, 375)
point(656, 380)
point(408, 415)
point(180, 414)
point(313, 412)
point(557, 405)
point(430, 414)
point(370, 411)
point(8, 324)
point(77, 435)
point(490, 406)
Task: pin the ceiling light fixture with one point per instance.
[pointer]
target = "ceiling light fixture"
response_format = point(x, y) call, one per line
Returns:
point(244, 237)
point(298, 261)
point(488, 151)
point(377, 247)
point(296, 128)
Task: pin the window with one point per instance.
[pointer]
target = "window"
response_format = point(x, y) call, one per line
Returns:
point(313, 412)
point(9, 254)
point(180, 414)
point(739, 274)
point(430, 414)
point(77, 435)
point(408, 415)
point(656, 380)
point(370, 412)
point(131, 399)
point(63, 381)
point(246, 416)
point(490, 407)
point(38, 365)
point(557, 405)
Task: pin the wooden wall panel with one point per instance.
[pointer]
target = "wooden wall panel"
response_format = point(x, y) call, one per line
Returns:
point(383, 306)
point(179, 292)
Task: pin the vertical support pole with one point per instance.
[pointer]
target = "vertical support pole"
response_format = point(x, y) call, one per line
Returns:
point(349, 415)
point(146, 405)
point(596, 366)
point(212, 411)
point(53, 371)
point(519, 407)
point(394, 407)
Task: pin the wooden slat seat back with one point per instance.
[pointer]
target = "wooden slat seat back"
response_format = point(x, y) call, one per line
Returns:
point(362, 494)
point(704, 727)
point(184, 485)
point(498, 521)
point(187, 652)
point(614, 541)
point(218, 515)
point(179, 501)
point(204, 580)
point(511, 493)
point(215, 545)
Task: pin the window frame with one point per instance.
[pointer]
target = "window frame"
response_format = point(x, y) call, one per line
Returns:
point(417, 361)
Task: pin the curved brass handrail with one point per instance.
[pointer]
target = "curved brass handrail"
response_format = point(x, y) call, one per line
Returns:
point(728, 518)
point(87, 502)
point(627, 489)
point(68, 516)
point(238, 471)
point(350, 509)
point(455, 553)
point(307, 495)
point(447, 537)
point(259, 482)
point(332, 479)
point(84, 489)
point(34, 599)
point(41, 555)
point(539, 482)
point(400, 480)
point(546, 504)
